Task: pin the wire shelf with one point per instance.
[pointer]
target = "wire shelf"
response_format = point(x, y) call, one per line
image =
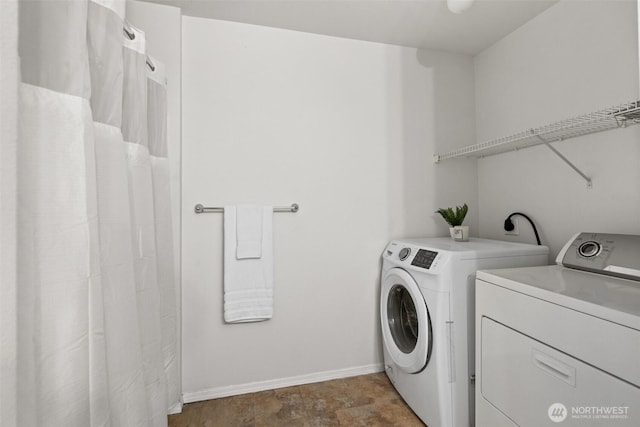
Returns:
point(609, 118)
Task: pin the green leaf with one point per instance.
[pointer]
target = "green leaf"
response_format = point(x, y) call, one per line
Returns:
point(454, 218)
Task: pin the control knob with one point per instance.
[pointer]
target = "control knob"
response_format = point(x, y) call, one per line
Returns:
point(589, 249)
point(404, 253)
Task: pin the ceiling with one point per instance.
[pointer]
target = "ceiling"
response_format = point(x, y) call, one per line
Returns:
point(413, 23)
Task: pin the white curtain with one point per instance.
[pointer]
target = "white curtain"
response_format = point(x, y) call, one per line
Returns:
point(94, 335)
point(157, 137)
point(8, 218)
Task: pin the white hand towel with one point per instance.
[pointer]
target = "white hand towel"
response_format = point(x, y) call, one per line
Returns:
point(249, 231)
point(248, 282)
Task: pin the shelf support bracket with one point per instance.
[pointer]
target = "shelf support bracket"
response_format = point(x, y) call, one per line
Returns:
point(567, 161)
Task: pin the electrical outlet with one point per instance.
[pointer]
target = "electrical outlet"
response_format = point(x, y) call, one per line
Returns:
point(516, 229)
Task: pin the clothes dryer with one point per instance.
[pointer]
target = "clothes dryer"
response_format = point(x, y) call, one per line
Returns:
point(427, 317)
point(558, 344)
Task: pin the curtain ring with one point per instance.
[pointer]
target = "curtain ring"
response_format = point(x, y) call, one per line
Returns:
point(129, 33)
point(150, 64)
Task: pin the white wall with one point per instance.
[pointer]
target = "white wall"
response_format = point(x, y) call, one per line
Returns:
point(347, 130)
point(572, 59)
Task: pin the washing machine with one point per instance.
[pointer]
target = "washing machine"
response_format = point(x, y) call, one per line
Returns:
point(427, 318)
point(560, 344)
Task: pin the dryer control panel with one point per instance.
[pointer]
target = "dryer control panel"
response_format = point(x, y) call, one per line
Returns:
point(610, 254)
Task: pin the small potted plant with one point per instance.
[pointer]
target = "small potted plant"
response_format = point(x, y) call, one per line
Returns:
point(455, 218)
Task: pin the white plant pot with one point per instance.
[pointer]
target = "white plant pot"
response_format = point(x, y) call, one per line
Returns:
point(459, 233)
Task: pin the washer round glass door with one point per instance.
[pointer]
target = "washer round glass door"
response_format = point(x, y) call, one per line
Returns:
point(406, 326)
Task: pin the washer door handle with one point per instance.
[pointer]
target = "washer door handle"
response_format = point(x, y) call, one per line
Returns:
point(451, 353)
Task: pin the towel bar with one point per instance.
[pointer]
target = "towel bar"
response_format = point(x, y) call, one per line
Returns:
point(203, 209)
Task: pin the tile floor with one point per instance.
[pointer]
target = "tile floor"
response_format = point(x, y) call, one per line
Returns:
point(367, 400)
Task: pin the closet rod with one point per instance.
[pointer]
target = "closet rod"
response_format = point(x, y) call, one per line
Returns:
point(202, 209)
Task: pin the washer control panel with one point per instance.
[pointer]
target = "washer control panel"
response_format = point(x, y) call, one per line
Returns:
point(406, 254)
point(610, 254)
point(424, 258)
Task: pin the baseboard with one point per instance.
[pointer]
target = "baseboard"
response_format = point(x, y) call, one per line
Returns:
point(175, 409)
point(233, 390)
